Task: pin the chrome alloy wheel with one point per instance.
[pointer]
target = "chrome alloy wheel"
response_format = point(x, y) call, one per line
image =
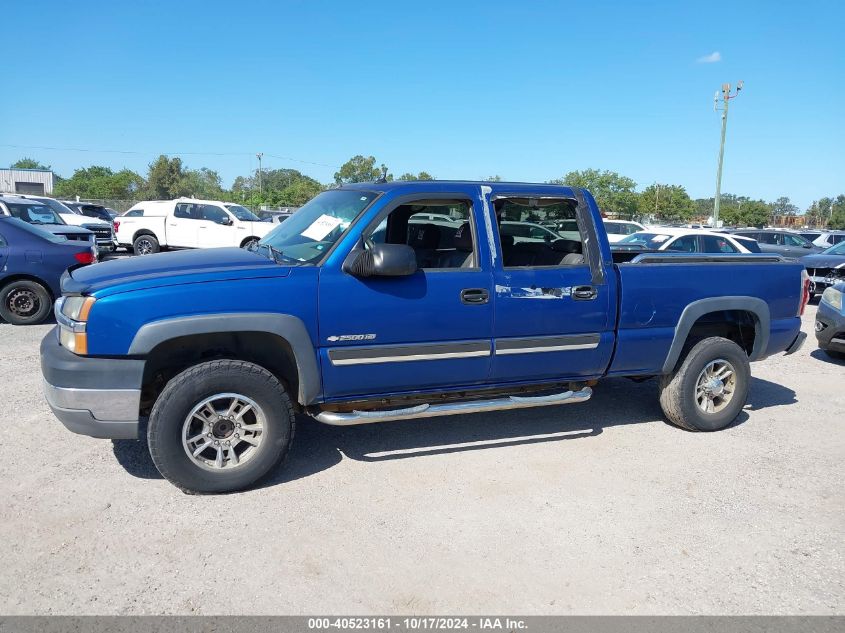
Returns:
point(23, 302)
point(715, 386)
point(145, 247)
point(223, 431)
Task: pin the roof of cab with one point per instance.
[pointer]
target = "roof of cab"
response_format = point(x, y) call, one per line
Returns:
point(444, 185)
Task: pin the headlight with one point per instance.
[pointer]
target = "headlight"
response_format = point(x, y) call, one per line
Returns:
point(77, 308)
point(833, 298)
point(72, 316)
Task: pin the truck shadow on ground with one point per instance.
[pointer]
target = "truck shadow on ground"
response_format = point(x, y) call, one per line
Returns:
point(317, 447)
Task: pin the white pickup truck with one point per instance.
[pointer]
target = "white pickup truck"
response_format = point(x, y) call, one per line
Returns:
point(149, 227)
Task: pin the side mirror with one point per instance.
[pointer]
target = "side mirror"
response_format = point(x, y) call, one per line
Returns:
point(226, 221)
point(382, 260)
point(807, 245)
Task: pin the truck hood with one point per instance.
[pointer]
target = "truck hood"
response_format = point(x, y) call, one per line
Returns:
point(823, 261)
point(169, 269)
point(80, 220)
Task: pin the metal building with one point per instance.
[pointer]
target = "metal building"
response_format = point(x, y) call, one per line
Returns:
point(32, 181)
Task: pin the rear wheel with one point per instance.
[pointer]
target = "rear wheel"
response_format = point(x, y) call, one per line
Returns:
point(709, 388)
point(220, 426)
point(24, 302)
point(146, 245)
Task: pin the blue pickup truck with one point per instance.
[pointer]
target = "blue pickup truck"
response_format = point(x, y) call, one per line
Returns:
point(402, 300)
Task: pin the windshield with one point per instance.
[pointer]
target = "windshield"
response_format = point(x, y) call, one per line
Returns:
point(55, 205)
point(307, 235)
point(651, 241)
point(33, 212)
point(839, 249)
point(46, 235)
point(242, 213)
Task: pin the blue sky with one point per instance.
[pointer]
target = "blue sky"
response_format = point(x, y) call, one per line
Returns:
point(527, 90)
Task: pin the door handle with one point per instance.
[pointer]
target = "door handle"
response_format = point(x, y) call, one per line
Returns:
point(474, 296)
point(584, 293)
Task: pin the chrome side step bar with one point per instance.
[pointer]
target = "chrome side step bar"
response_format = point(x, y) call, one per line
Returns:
point(433, 410)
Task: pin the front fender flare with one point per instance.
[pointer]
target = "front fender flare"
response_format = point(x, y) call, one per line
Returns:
point(287, 327)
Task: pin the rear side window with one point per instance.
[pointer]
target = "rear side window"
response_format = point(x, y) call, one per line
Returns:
point(766, 238)
point(187, 211)
point(751, 245)
point(135, 213)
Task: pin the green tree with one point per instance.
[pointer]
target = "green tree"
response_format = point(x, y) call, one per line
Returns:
point(165, 179)
point(613, 193)
point(783, 206)
point(100, 182)
point(746, 212)
point(666, 202)
point(201, 183)
point(837, 213)
point(279, 187)
point(360, 169)
point(423, 175)
point(29, 163)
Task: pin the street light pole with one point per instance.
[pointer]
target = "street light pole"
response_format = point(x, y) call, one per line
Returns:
point(260, 155)
point(726, 97)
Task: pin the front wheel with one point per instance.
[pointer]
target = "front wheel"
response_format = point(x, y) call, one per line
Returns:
point(709, 388)
point(24, 302)
point(249, 243)
point(220, 426)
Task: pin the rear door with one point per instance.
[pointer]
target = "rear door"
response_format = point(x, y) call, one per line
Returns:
point(4, 252)
point(183, 226)
point(551, 307)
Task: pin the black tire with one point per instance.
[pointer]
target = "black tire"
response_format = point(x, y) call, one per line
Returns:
point(247, 241)
point(678, 389)
point(24, 302)
point(146, 245)
point(191, 387)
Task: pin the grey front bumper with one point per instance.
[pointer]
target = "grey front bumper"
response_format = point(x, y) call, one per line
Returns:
point(99, 397)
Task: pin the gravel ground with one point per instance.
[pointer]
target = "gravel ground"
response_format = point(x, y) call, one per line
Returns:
point(593, 508)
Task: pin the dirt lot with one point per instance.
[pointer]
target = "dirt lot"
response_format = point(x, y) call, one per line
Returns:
point(593, 508)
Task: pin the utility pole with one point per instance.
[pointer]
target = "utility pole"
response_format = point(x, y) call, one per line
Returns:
point(259, 155)
point(656, 199)
point(726, 97)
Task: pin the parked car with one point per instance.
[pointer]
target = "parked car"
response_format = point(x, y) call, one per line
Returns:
point(31, 262)
point(824, 239)
point(40, 214)
point(528, 231)
point(617, 230)
point(688, 241)
point(90, 210)
point(830, 321)
point(188, 223)
point(825, 268)
point(325, 318)
point(780, 242)
point(273, 216)
point(103, 231)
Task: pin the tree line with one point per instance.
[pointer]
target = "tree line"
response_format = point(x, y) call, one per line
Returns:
point(617, 195)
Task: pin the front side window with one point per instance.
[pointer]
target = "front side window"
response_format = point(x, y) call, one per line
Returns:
point(794, 240)
point(439, 231)
point(213, 213)
point(308, 234)
point(713, 244)
point(685, 244)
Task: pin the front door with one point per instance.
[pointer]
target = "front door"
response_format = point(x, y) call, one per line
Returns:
point(551, 310)
point(215, 228)
point(422, 332)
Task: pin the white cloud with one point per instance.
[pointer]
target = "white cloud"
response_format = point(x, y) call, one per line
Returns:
point(712, 58)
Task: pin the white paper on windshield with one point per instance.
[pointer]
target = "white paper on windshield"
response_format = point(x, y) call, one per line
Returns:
point(321, 227)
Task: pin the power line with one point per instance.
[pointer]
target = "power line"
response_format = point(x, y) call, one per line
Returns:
point(140, 153)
